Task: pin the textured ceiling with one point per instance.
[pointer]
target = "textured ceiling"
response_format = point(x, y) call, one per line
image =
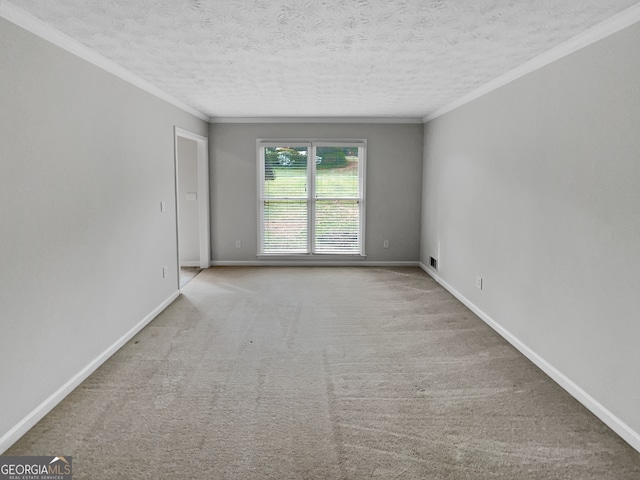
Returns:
point(321, 58)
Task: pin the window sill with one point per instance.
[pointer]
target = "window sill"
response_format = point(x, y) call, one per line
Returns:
point(310, 256)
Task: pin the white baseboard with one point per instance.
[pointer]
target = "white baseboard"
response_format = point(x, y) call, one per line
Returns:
point(617, 425)
point(195, 263)
point(311, 263)
point(54, 399)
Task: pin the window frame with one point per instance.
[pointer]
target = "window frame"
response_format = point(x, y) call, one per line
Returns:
point(311, 199)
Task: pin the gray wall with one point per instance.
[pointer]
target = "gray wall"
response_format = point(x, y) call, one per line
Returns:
point(85, 159)
point(536, 188)
point(188, 223)
point(393, 189)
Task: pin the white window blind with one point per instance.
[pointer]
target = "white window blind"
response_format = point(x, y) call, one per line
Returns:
point(311, 198)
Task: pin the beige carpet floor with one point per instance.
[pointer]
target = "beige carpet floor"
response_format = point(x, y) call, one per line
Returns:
point(324, 373)
point(187, 274)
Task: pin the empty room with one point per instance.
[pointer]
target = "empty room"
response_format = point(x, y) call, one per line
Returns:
point(305, 239)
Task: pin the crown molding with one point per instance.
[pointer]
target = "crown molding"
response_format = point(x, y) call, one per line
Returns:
point(43, 30)
point(602, 30)
point(381, 120)
point(36, 26)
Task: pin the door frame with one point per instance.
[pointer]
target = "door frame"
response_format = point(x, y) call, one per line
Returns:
point(204, 232)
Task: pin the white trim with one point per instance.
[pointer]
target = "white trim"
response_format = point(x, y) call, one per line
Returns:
point(204, 202)
point(381, 120)
point(363, 153)
point(36, 26)
point(617, 425)
point(260, 192)
point(204, 229)
point(303, 142)
point(303, 257)
point(311, 263)
point(55, 398)
point(196, 137)
point(190, 264)
point(602, 30)
point(290, 143)
point(310, 195)
point(312, 201)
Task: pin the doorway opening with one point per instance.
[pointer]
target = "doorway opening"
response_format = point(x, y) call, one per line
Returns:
point(192, 204)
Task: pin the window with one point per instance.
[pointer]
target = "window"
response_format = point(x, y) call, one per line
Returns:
point(311, 198)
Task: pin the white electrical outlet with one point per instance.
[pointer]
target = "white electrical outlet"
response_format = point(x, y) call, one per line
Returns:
point(385, 244)
point(479, 282)
point(165, 272)
point(238, 244)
